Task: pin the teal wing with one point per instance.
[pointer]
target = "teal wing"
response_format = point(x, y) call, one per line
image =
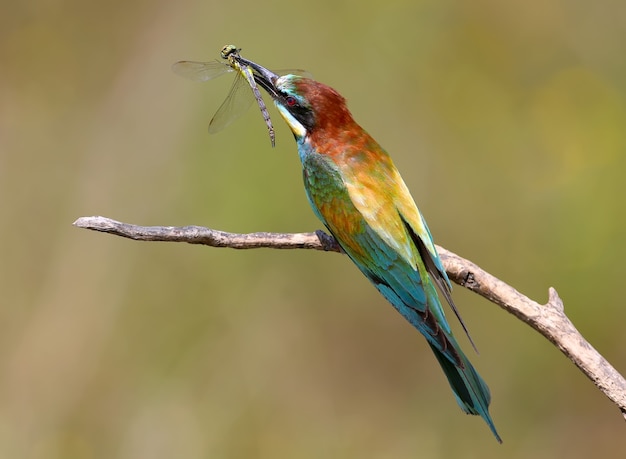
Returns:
point(415, 297)
point(408, 288)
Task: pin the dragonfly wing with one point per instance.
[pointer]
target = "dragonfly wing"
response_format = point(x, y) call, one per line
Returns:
point(238, 101)
point(201, 71)
point(299, 72)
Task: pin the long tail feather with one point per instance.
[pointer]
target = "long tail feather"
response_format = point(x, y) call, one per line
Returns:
point(471, 392)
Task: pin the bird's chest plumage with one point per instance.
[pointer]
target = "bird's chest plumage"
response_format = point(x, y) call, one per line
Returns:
point(354, 190)
point(328, 195)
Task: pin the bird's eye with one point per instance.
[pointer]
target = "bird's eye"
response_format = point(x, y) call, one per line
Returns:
point(291, 101)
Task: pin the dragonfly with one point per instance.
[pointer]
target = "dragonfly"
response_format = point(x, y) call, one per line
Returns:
point(238, 100)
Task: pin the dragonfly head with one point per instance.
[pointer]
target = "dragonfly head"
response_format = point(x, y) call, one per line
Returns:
point(228, 50)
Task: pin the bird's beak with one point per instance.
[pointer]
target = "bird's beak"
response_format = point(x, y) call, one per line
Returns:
point(262, 77)
point(270, 82)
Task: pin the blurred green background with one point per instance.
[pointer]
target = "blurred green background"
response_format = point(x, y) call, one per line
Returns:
point(508, 122)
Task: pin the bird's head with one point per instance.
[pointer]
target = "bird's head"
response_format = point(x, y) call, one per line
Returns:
point(307, 106)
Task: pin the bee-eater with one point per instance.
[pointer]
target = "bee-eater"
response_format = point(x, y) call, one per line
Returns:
point(357, 192)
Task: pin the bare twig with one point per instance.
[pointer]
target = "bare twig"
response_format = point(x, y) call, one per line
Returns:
point(549, 319)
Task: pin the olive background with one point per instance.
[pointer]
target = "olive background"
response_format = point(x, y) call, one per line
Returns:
point(507, 120)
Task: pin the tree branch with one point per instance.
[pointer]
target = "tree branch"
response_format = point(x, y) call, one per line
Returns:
point(549, 319)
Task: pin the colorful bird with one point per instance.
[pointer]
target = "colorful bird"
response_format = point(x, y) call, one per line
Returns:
point(357, 192)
